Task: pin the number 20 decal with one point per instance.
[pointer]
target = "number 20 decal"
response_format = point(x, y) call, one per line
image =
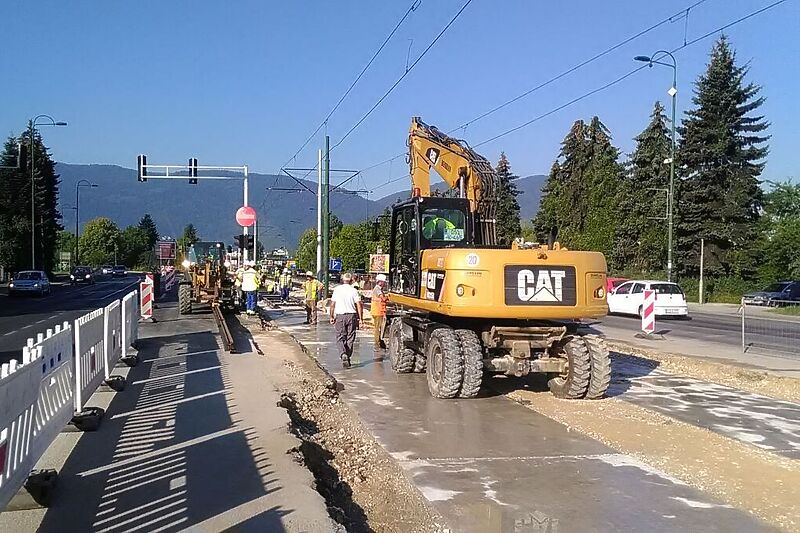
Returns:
point(472, 260)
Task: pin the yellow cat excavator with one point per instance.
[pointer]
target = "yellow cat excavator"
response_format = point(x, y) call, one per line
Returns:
point(465, 305)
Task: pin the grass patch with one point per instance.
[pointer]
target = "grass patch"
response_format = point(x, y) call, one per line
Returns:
point(793, 310)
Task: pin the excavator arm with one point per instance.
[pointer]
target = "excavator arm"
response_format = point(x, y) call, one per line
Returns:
point(460, 167)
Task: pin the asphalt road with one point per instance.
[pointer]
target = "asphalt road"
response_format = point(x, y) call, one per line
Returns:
point(763, 331)
point(24, 317)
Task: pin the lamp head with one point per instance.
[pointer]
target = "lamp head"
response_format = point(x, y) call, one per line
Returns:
point(644, 59)
point(61, 123)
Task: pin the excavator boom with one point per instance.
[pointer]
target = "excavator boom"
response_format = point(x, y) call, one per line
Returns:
point(460, 167)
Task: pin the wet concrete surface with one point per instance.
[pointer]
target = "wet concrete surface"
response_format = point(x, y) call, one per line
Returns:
point(770, 424)
point(490, 464)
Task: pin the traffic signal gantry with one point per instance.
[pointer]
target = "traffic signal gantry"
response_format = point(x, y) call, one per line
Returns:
point(192, 171)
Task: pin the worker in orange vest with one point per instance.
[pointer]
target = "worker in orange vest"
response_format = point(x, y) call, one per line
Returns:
point(378, 310)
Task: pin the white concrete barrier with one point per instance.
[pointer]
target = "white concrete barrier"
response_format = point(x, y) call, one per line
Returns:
point(89, 355)
point(35, 405)
point(130, 321)
point(112, 336)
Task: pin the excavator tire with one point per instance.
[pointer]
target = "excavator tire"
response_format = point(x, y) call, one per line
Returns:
point(445, 363)
point(600, 363)
point(402, 359)
point(473, 363)
point(420, 363)
point(185, 299)
point(573, 384)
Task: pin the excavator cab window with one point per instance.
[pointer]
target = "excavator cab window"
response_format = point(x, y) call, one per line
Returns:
point(443, 227)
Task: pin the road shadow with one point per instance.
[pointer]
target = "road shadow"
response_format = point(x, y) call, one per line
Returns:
point(625, 369)
point(172, 451)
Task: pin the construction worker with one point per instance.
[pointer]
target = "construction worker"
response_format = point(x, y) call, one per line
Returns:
point(286, 284)
point(435, 228)
point(250, 282)
point(346, 311)
point(378, 310)
point(311, 295)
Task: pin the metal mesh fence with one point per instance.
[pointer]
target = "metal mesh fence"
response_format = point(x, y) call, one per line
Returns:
point(773, 328)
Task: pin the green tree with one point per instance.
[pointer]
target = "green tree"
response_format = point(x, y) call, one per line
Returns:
point(507, 214)
point(780, 229)
point(351, 246)
point(721, 157)
point(149, 226)
point(97, 241)
point(134, 246)
point(188, 238)
point(641, 241)
point(579, 201)
point(66, 243)
point(306, 255)
point(15, 204)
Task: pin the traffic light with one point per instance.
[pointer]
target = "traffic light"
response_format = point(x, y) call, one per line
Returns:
point(193, 171)
point(244, 241)
point(239, 239)
point(141, 165)
point(249, 241)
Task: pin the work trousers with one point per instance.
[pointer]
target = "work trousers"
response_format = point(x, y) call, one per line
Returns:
point(346, 326)
point(251, 300)
point(379, 322)
point(284, 293)
point(311, 311)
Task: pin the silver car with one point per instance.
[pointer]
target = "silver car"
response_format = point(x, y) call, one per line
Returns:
point(29, 282)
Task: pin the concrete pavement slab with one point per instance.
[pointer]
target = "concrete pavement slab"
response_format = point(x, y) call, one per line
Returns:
point(490, 464)
point(195, 441)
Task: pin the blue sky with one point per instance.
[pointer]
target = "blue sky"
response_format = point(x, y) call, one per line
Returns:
point(246, 82)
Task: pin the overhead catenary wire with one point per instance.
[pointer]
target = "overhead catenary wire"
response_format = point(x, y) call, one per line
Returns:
point(394, 85)
point(414, 5)
point(676, 16)
point(402, 76)
point(605, 85)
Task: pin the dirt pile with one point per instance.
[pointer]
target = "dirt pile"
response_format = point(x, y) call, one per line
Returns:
point(364, 488)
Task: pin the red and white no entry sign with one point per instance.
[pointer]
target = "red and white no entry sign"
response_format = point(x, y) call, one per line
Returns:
point(246, 216)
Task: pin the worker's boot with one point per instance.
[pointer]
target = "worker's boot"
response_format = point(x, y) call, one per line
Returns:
point(345, 360)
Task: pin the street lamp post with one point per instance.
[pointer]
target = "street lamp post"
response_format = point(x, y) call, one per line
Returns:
point(81, 183)
point(34, 123)
point(673, 92)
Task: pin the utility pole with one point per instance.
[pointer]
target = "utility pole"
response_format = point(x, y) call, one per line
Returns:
point(319, 215)
point(244, 228)
point(673, 92)
point(326, 214)
point(702, 257)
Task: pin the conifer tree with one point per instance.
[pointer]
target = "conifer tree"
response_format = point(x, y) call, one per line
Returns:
point(721, 157)
point(507, 215)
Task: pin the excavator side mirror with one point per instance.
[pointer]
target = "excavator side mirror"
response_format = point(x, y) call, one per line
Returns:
point(376, 226)
point(551, 238)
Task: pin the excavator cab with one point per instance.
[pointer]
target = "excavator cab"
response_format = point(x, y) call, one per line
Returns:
point(421, 224)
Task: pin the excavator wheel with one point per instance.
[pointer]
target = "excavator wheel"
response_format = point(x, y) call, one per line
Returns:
point(402, 359)
point(574, 382)
point(600, 364)
point(185, 299)
point(420, 363)
point(445, 363)
point(473, 363)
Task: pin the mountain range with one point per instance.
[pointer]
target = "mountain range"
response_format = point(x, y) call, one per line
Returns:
point(211, 204)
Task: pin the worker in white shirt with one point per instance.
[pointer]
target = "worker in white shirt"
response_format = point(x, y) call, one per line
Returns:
point(346, 311)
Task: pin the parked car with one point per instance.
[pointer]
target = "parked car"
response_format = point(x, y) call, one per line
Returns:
point(613, 283)
point(783, 291)
point(81, 274)
point(106, 270)
point(628, 298)
point(30, 282)
point(119, 271)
